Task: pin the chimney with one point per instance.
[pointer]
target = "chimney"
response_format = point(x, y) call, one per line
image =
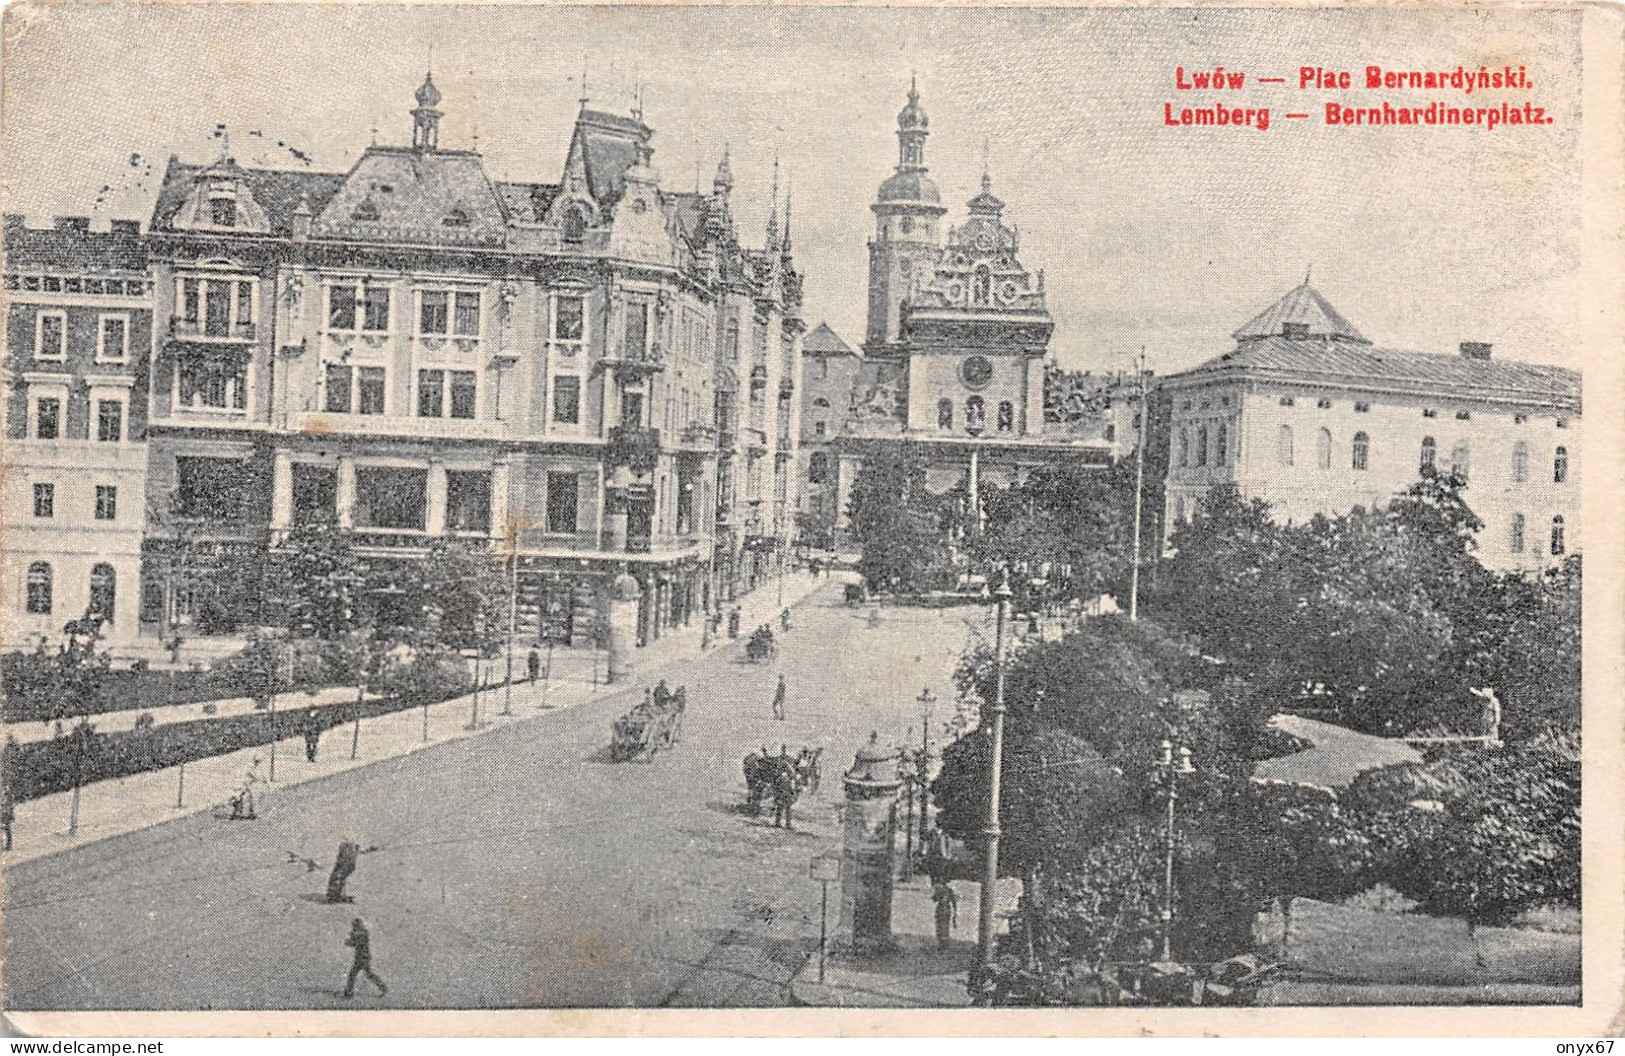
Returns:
point(1475, 350)
point(126, 228)
point(71, 223)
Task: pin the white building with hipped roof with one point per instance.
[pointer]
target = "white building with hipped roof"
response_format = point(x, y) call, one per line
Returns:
point(1307, 413)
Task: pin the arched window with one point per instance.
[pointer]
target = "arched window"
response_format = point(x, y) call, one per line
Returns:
point(1559, 544)
point(1201, 445)
point(975, 414)
point(730, 346)
point(1221, 454)
point(39, 588)
point(1323, 450)
point(1520, 462)
point(1007, 416)
point(984, 285)
point(1111, 432)
point(1362, 451)
point(1517, 533)
point(1560, 466)
point(575, 223)
point(1461, 459)
point(103, 591)
point(1430, 453)
point(821, 403)
point(945, 413)
point(1184, 448)
point(817, 467)
point(1283, 446)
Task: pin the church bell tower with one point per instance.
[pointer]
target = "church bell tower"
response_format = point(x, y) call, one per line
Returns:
point(904, 250)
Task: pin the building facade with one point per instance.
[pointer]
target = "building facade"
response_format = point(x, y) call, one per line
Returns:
point(79, 341)
point(954, 356)
point(1307, 414)
point(589, 376)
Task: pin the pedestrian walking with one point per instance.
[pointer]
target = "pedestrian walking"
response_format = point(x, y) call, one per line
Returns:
point(784, 620)
point(343, 866)
point(942, 893)
point(8, 812)
point(784, 788)
point(313, 734)
point(533, 664)
point(734, 617)
point(242, 804)
point(360, 940)
point(778, 700)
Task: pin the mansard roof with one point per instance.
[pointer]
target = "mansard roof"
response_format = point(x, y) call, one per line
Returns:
point(398, 194)
point(609, 146)
point(526, 202)
point(277, 192)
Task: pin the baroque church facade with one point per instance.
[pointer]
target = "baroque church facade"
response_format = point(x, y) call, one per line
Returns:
point(954, 358)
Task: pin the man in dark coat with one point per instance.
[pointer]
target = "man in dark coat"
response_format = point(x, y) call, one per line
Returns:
point(778, 700)
point(360, 940)
point(343, 866)
point(533, 665)
point(313, 734)
point(784, 788)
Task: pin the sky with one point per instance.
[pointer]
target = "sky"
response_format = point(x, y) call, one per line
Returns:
point(1154, 236)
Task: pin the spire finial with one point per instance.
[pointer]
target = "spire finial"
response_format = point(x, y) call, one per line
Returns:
point(913, 87)
point(788, 191)
point(987, 164)
point(637, 102)
point(583, 99)
point(773, 208)
point(1306, 272)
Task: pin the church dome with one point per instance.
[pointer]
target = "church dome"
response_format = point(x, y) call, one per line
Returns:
point(427, 94)
point(912, 116)
point(910, 185)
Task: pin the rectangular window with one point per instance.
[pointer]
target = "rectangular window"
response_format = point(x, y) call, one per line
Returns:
point(217, 309)
point(106, 502)
point(191, 300)
point(561, 502)
point(51, 335)
point(113, 339)
point(387, 497)
point(462, 393)
point(431, 393)
point(818, 428)
point(44, 500)
point(637, 330)
point(468, 501)
point(566, 400)
point(341, 305)
point(48, 418)
point(338, 389)
point(569, 316)
point(109, 421)
point(432, 312)
point(370, 398)
point(223, 212)
point(245, 302)
point(467, 321)
point(375, 302)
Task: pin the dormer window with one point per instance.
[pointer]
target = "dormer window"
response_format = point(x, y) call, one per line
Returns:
point(455, 218)
point(223, 212)
point(1294, 331)
point(366, 211)
point(575, 223)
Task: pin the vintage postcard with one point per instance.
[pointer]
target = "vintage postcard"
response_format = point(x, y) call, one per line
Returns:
point(543, 519)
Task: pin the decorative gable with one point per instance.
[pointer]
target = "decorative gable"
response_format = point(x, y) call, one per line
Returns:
point(221, 201)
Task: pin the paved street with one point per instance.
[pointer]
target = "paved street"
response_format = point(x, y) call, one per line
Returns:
point(520, 868)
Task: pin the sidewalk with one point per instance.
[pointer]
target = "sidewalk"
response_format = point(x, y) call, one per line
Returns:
point(111, 808)
point(917, 974)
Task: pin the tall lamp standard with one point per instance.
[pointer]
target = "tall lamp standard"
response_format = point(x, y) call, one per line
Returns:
point(1139, 491)
point(1171, 771)
point(990, 877)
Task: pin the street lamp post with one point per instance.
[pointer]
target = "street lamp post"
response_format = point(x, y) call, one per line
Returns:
point(513, 621)
point(1139, 490)
point(1171, 771)
point(928, 702)
point(990, 877)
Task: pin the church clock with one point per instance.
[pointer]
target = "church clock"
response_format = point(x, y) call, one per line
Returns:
point(976, 372)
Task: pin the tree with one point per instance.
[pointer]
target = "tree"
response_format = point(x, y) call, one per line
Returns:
point(317, 579)
point(896, 521)
point(455, 594)
point(1533, 661)
point(1076, 520)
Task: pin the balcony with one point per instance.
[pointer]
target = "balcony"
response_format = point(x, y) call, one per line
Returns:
point(589, 544)
point(321, 423)
point(211, 330)
point(634, 447)
point(638, 361)
point(699, 435)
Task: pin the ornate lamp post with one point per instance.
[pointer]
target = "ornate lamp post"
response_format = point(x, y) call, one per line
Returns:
point(1171, 771)
point(990, 876)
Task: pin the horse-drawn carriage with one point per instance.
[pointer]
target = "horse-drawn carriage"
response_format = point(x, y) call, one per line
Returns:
point(761, 645)
point(780, 775)
point(655, 724)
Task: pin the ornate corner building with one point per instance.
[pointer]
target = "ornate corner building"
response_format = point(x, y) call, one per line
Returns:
point(592, 376)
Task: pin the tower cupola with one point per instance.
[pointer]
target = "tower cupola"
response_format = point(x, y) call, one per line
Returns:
point(425, 118)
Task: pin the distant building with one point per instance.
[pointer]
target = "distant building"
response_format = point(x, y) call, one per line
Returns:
point(1307, 414)
point(78, 345)
point(830, 373)
point(954, 356)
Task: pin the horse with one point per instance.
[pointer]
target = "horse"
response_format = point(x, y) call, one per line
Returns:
point(760, 768)
point(808, 772)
